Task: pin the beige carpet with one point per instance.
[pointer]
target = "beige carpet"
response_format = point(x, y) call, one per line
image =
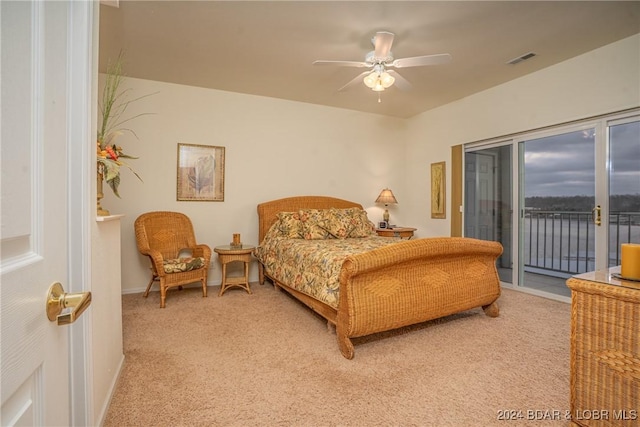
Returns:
point(266, 360)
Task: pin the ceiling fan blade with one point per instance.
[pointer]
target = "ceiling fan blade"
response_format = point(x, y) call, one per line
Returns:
point(401, 82)
point(357, 79)
point(418, 61)
point(383, 42)
point(341, 63)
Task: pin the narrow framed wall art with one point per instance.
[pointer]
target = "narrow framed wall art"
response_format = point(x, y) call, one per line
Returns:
point(438, 190)
point(200, 174)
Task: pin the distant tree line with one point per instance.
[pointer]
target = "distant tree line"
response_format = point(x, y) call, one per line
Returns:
point(617, 203)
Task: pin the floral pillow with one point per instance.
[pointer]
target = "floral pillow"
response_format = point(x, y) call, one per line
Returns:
point(360, 225)
point(335, 223)
point(354, 221)
point(314, 224)
point(289, 225)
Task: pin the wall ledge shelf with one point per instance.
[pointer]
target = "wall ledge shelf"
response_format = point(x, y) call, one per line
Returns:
point(109, 217)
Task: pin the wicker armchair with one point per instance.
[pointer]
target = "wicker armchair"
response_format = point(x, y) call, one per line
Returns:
point(167, 238)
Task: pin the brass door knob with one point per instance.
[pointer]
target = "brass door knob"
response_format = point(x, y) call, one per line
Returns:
point(58, 300)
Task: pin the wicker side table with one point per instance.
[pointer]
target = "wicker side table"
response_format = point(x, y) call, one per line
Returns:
point(605, 350)
point(226, 255)
point(403, 232)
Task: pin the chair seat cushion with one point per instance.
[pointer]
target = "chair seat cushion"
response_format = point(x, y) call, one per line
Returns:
point(179, 265)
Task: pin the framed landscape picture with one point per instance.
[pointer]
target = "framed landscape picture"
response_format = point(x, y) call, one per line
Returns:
point(200, 175)
point(438, 190)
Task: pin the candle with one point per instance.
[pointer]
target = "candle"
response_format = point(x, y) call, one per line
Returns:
point(236, 238)
point(630, 268)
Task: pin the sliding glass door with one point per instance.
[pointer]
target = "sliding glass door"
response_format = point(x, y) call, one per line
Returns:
point(560, 201)
point(558, 194)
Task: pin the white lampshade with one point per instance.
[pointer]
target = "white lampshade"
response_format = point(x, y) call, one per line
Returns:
point(371, 79)
point(378, 87)
point(387, 79)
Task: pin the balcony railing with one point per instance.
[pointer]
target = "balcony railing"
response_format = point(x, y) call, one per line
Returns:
point(564, 242)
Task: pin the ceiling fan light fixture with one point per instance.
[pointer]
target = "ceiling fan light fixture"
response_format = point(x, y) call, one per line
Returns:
point(387, 79)
point(371, 79)
point(378, 87)
point(378, 81)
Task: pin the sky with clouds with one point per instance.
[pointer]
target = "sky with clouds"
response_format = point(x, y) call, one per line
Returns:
point(564, 165)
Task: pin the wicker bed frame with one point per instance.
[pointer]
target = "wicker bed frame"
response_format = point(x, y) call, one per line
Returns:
point(398, 285)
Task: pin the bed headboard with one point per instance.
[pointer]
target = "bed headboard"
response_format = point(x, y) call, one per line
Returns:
point(268, 211)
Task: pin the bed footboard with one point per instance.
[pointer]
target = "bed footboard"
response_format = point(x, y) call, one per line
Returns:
point(415, 281)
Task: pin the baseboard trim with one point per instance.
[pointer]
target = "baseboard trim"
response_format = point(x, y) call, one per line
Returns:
point(112, 389)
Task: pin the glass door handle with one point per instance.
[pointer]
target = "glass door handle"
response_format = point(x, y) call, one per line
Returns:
point(596, 215)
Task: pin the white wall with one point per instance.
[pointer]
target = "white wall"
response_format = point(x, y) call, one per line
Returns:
point(274, 148)
point(107, 353)
point(601, 81)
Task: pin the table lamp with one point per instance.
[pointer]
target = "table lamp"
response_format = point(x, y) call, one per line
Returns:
point(386, 196)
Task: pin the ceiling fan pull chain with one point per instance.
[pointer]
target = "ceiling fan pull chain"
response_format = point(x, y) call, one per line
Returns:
point(379, 100)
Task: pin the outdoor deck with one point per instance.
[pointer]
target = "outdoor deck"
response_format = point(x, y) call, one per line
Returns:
point(539, 281)
point(560, 244)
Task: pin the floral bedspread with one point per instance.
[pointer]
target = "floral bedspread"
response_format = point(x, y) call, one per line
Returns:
point(313, 266)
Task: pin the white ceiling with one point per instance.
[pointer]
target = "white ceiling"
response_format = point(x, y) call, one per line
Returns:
point(267, 47)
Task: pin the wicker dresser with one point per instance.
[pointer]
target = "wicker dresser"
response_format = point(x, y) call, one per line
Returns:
point(605, 350)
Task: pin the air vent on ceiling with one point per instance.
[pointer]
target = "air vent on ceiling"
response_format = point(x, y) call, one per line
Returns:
point(521, 58)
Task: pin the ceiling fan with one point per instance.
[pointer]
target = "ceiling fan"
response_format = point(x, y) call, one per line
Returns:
point(379, 61)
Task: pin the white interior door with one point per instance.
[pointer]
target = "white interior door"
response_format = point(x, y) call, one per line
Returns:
point(36, 141)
